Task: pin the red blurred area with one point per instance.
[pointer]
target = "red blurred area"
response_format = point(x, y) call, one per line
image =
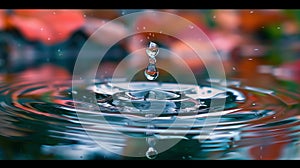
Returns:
point(47, 26)
point(228, 30)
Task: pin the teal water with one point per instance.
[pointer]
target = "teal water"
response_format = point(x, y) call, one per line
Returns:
point(146, 120)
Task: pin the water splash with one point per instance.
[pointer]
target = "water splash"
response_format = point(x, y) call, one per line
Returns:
point(42, 114)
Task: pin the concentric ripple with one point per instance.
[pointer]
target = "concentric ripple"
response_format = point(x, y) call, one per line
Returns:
point(150, 120)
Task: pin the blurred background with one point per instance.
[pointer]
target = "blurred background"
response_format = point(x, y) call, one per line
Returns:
point(250, 42)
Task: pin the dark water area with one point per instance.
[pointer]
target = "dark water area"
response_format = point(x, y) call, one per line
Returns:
point(53, 117)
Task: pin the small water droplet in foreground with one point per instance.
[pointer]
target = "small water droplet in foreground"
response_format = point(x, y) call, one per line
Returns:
point(151, 141)
point(151, 153)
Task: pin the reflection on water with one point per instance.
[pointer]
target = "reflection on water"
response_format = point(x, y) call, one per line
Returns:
point(39, 119)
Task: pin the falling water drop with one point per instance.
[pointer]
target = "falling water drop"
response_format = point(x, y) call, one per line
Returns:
point(151, 141)
point(152, 50)
point(151, 71)
point(151, 153)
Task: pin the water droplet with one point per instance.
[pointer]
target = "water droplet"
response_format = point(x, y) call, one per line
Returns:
point(256, 49)
point(151, 72)
point(151, 141)
point(84, 15)
point(49, 38)
point(251, 11)
point(152, 60)
point(253, 104)
point(54, 13)
point(278, 27)
point(250, 59)
point(42, 29)
point(233, 68)
point(151, 153)
point(191, 26)
point(214, 17)
point(144, 27)
point(152, 49)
